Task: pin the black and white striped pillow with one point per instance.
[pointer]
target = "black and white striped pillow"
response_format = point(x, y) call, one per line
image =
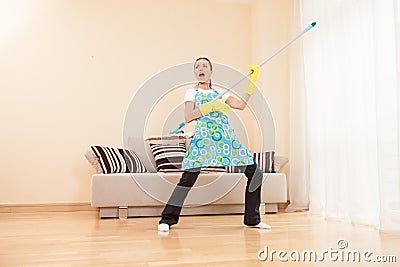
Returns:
point(168, 158)
point(118, 160)
point(235, 169)
point(264, 160)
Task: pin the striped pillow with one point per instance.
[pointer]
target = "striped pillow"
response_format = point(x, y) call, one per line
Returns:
point(118, 160)
point(235, 169)
point(264, 160)
point(168, 158)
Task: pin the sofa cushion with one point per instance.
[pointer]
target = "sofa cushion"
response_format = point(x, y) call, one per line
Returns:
point(118, 160)
point(169, 150)
point(264, 160)
point(171, 140)
point(93, 160)
point(168, 158)
point(279, 162)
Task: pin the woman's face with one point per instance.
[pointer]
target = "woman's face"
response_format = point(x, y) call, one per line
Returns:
point(202, 70)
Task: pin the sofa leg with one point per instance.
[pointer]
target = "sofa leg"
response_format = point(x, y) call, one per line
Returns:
point(271, 208)
point(123, 212)
point(262, 208)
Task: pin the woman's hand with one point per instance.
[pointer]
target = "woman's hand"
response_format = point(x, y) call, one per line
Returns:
point(192, 113)
point(221, 106)
point(214, 105)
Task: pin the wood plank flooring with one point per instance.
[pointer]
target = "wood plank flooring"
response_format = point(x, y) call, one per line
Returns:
point(82, 239)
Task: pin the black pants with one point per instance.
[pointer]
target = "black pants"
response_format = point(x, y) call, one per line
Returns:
point(172, 210)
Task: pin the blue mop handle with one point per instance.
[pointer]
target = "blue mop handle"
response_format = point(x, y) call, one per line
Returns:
point(178, 128)
point(309, 27)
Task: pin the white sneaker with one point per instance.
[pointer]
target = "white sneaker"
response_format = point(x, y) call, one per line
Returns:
point(163, 227)
point(260, 225)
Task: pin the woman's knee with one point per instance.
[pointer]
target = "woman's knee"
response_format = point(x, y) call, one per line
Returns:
point(250, 169)
point(253, 171)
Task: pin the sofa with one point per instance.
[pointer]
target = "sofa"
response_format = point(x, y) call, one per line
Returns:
point(130, 190)
point(132, 195)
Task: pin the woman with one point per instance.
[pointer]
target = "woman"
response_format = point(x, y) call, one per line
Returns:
point(214, 144)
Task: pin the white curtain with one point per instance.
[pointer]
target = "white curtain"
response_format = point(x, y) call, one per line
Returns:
point(345, 111)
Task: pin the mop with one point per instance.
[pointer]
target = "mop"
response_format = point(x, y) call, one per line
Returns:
point(312, 25)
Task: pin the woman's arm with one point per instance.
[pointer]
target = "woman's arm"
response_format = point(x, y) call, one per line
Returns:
point(235, 103)
point(191, 113)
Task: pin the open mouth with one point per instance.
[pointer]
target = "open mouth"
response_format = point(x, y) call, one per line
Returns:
point(201, 75)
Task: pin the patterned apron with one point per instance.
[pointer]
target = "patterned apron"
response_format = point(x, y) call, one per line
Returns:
point(214, 143)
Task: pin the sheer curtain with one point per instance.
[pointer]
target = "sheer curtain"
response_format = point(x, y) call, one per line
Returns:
point(345, 112)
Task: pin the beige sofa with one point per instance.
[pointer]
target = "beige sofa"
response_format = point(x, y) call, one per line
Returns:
point(145, 194)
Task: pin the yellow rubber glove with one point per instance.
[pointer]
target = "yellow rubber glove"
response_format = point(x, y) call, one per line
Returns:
point(214, 105)
point(253, 78)
point(221, 106)
point(206, 107)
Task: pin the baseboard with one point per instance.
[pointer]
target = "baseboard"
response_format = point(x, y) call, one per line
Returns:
point(50, 207)
point(67, 207)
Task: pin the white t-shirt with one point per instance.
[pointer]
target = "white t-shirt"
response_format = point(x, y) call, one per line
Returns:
point(191, 93)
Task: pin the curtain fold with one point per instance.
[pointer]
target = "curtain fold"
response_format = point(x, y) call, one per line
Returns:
point(345, 112)
point(299, 171)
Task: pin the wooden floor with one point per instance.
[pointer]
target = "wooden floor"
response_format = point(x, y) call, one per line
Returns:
point(82, 239)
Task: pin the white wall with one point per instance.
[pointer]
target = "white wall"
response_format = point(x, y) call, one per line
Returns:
point(68, 70)
point(270, 29)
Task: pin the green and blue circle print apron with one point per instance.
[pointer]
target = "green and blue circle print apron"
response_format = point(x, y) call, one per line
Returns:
point(214, 143)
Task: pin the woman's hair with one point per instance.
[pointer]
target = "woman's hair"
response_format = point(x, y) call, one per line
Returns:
point(209, 62)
